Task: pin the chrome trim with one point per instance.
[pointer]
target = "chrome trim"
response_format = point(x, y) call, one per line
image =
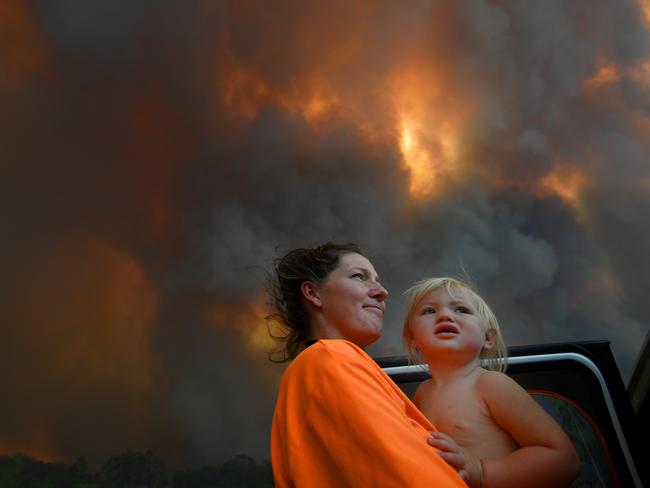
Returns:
point(563, 356)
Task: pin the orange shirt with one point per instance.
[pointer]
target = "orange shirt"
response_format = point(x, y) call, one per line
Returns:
point(341, 421)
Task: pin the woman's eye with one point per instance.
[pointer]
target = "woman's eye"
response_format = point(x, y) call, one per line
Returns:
point(358, 276)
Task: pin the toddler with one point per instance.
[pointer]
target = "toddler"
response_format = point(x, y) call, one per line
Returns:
point(490, 428)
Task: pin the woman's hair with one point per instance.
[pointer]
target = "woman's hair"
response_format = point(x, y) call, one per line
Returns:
point(496, 357)
point(285, 294)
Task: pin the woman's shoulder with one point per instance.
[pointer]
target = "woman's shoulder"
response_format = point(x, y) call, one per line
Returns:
point(343, 347)
point(328, 362)
point(334, 348)
point(327, 353)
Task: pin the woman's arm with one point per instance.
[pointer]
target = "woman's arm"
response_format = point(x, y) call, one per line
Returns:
point(546, 457)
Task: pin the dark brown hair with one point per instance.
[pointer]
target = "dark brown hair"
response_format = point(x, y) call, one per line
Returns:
point(285, 295)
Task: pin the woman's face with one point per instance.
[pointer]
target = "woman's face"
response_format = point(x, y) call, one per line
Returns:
point(352, 301)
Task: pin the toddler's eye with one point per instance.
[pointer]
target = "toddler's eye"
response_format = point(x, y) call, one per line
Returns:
point(428, 310)
point(461, 309)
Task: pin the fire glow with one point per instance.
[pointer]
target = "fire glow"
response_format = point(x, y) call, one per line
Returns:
point(244, 94)
point(363, 106)
point(21, 47)
point(607, 73)
point(414, 104)
point(565, 183)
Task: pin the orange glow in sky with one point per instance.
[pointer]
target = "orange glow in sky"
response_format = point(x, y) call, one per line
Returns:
point(423, 169)
point(644, 5)
point(429, 125)
point(22, 51)
point(565, 183)
point(257, 332)
point(607, 73)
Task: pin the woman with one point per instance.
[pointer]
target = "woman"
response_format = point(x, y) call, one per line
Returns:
point(339, 420)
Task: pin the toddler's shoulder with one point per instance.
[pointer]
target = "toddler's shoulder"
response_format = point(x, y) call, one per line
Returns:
point(495, 382)
point(421, 392)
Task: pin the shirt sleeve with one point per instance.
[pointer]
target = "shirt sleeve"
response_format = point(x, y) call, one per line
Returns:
point(359, 432)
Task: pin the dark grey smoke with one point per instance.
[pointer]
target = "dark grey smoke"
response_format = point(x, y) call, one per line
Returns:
point(123, 136)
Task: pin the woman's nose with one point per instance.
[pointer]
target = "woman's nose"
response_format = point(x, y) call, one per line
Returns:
point(379, 293)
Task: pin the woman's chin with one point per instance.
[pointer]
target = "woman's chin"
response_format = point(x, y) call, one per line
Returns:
point(372, 335)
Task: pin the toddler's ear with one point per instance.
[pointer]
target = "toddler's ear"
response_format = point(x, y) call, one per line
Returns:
point(490, 340)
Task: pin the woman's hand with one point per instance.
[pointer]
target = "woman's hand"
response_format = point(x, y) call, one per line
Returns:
point(468, 466)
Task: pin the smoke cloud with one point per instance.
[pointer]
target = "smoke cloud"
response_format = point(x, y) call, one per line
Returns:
point(157, 156)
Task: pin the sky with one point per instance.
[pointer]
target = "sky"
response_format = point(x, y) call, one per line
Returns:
point(156, 157)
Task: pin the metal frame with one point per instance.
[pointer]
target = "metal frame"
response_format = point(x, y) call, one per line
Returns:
point(550, 358)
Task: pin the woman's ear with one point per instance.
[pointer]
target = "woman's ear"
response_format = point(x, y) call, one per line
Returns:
point(310, 293)
point(490, 340)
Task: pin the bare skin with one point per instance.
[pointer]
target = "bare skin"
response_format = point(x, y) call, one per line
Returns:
point(458, 409)
point(490, 429)
point(349, 304)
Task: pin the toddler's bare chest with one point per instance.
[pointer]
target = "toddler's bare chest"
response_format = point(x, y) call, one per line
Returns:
point(456, 413)
point(463, 415)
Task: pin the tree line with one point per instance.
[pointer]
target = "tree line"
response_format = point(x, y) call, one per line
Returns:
point(132, 469)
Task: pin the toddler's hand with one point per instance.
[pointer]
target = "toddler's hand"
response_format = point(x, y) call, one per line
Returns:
point(468, 466)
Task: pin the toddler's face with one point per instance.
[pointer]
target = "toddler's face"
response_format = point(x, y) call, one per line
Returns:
point(447, 322)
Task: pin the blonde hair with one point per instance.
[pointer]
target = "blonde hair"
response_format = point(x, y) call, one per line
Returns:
point(496, 358)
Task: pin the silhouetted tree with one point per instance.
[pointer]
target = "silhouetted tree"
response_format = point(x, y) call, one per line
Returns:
point(79, 472)
point(9, 472)
point(239, 472)
point(20, 471)
point(133, 470)
point(203, 477)
point(244, 472)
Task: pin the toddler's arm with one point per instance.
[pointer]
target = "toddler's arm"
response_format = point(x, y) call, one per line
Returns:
point(546, 457)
